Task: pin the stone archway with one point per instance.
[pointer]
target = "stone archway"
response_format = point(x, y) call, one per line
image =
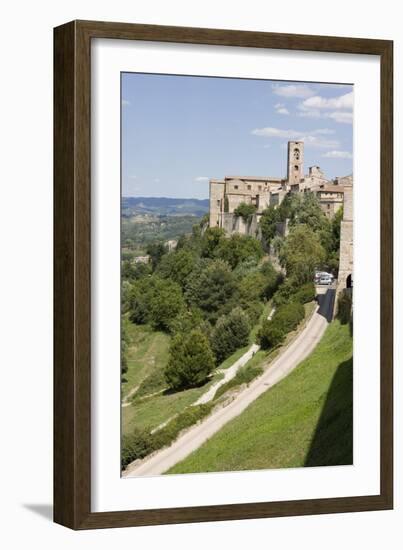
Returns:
point(349, 281)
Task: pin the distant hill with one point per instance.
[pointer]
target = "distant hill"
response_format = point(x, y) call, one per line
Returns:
point(163, 206)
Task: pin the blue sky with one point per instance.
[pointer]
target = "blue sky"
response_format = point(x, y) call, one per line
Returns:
point(179, 131)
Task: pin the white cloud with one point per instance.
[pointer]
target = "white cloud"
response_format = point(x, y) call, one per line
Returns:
point(293, 90)
point(313, 138)
point(202, 178)
point(338, 108)
point(337, 155)
point(319, 142)
point(343, 102)
point(281, 109)
point(125, 102)
point(344, 117)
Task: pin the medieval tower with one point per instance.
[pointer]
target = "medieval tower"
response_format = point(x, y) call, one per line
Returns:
point(295, 158)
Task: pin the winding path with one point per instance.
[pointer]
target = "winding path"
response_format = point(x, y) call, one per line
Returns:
point(191, 440)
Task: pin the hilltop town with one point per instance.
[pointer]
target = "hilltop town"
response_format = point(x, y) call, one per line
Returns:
point(263, 191)
point(227, 195)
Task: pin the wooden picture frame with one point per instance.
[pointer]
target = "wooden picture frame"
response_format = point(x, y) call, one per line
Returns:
point(72, 271)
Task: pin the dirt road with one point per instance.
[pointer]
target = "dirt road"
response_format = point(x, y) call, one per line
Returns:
point(298, 350)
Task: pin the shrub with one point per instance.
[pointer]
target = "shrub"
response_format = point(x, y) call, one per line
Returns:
point(270, 335)
point(253, 310)
point(305, 294)
point(243, 376)
point(166, 435)
point(230, 333)
point(190, 360)
point(288, 316)
point(152, 383)
point(283, 294)
point(273, 279)
point(136, 445)
point(245, 211)
point(344, 304)
point(141, 442)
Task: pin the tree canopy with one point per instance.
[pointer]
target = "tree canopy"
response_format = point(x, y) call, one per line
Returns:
point(155, 300)
point(301, 253)
point(210, 287)
point(245, 211)
point(190, 362)
point(230, 333)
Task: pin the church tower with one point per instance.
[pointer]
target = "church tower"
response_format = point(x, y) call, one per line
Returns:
point(295, 164)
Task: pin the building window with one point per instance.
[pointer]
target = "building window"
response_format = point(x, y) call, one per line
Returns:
point(328, 206)
point(260, 187)
point(296, 167)
point(249, 187)
point(218, 202)
point(235, 187)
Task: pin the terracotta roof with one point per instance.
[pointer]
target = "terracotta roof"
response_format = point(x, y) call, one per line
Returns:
point(254, 178)
point(331, 189)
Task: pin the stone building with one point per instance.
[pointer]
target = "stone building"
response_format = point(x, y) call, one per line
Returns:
point(345, 277)
point(228, 193)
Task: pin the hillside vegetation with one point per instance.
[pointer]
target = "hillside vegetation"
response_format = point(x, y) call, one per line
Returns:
point(305, 420)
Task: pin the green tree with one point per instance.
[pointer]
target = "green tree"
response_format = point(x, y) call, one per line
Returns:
point(125, 342)
point(245, 211)
point(165, 304)
point(156, 301)
point(131, 271)
point(270, 216)
point(177, 266)
point(125, 296)
point(272, 279)
point(302, 253)
point(190, 361)
point(210, 287)
point(238, 249)
point(270, 335)
point(252, 287)
point(306, 210)
point(139, 300)
point(211, 239)
point(230, 333)
point(156, 250)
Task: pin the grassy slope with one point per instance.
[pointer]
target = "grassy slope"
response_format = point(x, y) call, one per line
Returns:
point(305, 420)
point(148, 351)
point(151, 412)
point(148, 354)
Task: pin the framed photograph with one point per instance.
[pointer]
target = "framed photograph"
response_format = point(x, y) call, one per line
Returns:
point(223, 250)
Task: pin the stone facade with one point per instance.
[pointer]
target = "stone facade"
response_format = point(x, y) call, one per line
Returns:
point(228, 193)
point(345, 278)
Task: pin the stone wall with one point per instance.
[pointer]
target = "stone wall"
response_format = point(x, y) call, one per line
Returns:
point(216, 202)
point(346, 267)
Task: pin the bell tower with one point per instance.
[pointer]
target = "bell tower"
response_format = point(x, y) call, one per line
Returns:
point(295, 165)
